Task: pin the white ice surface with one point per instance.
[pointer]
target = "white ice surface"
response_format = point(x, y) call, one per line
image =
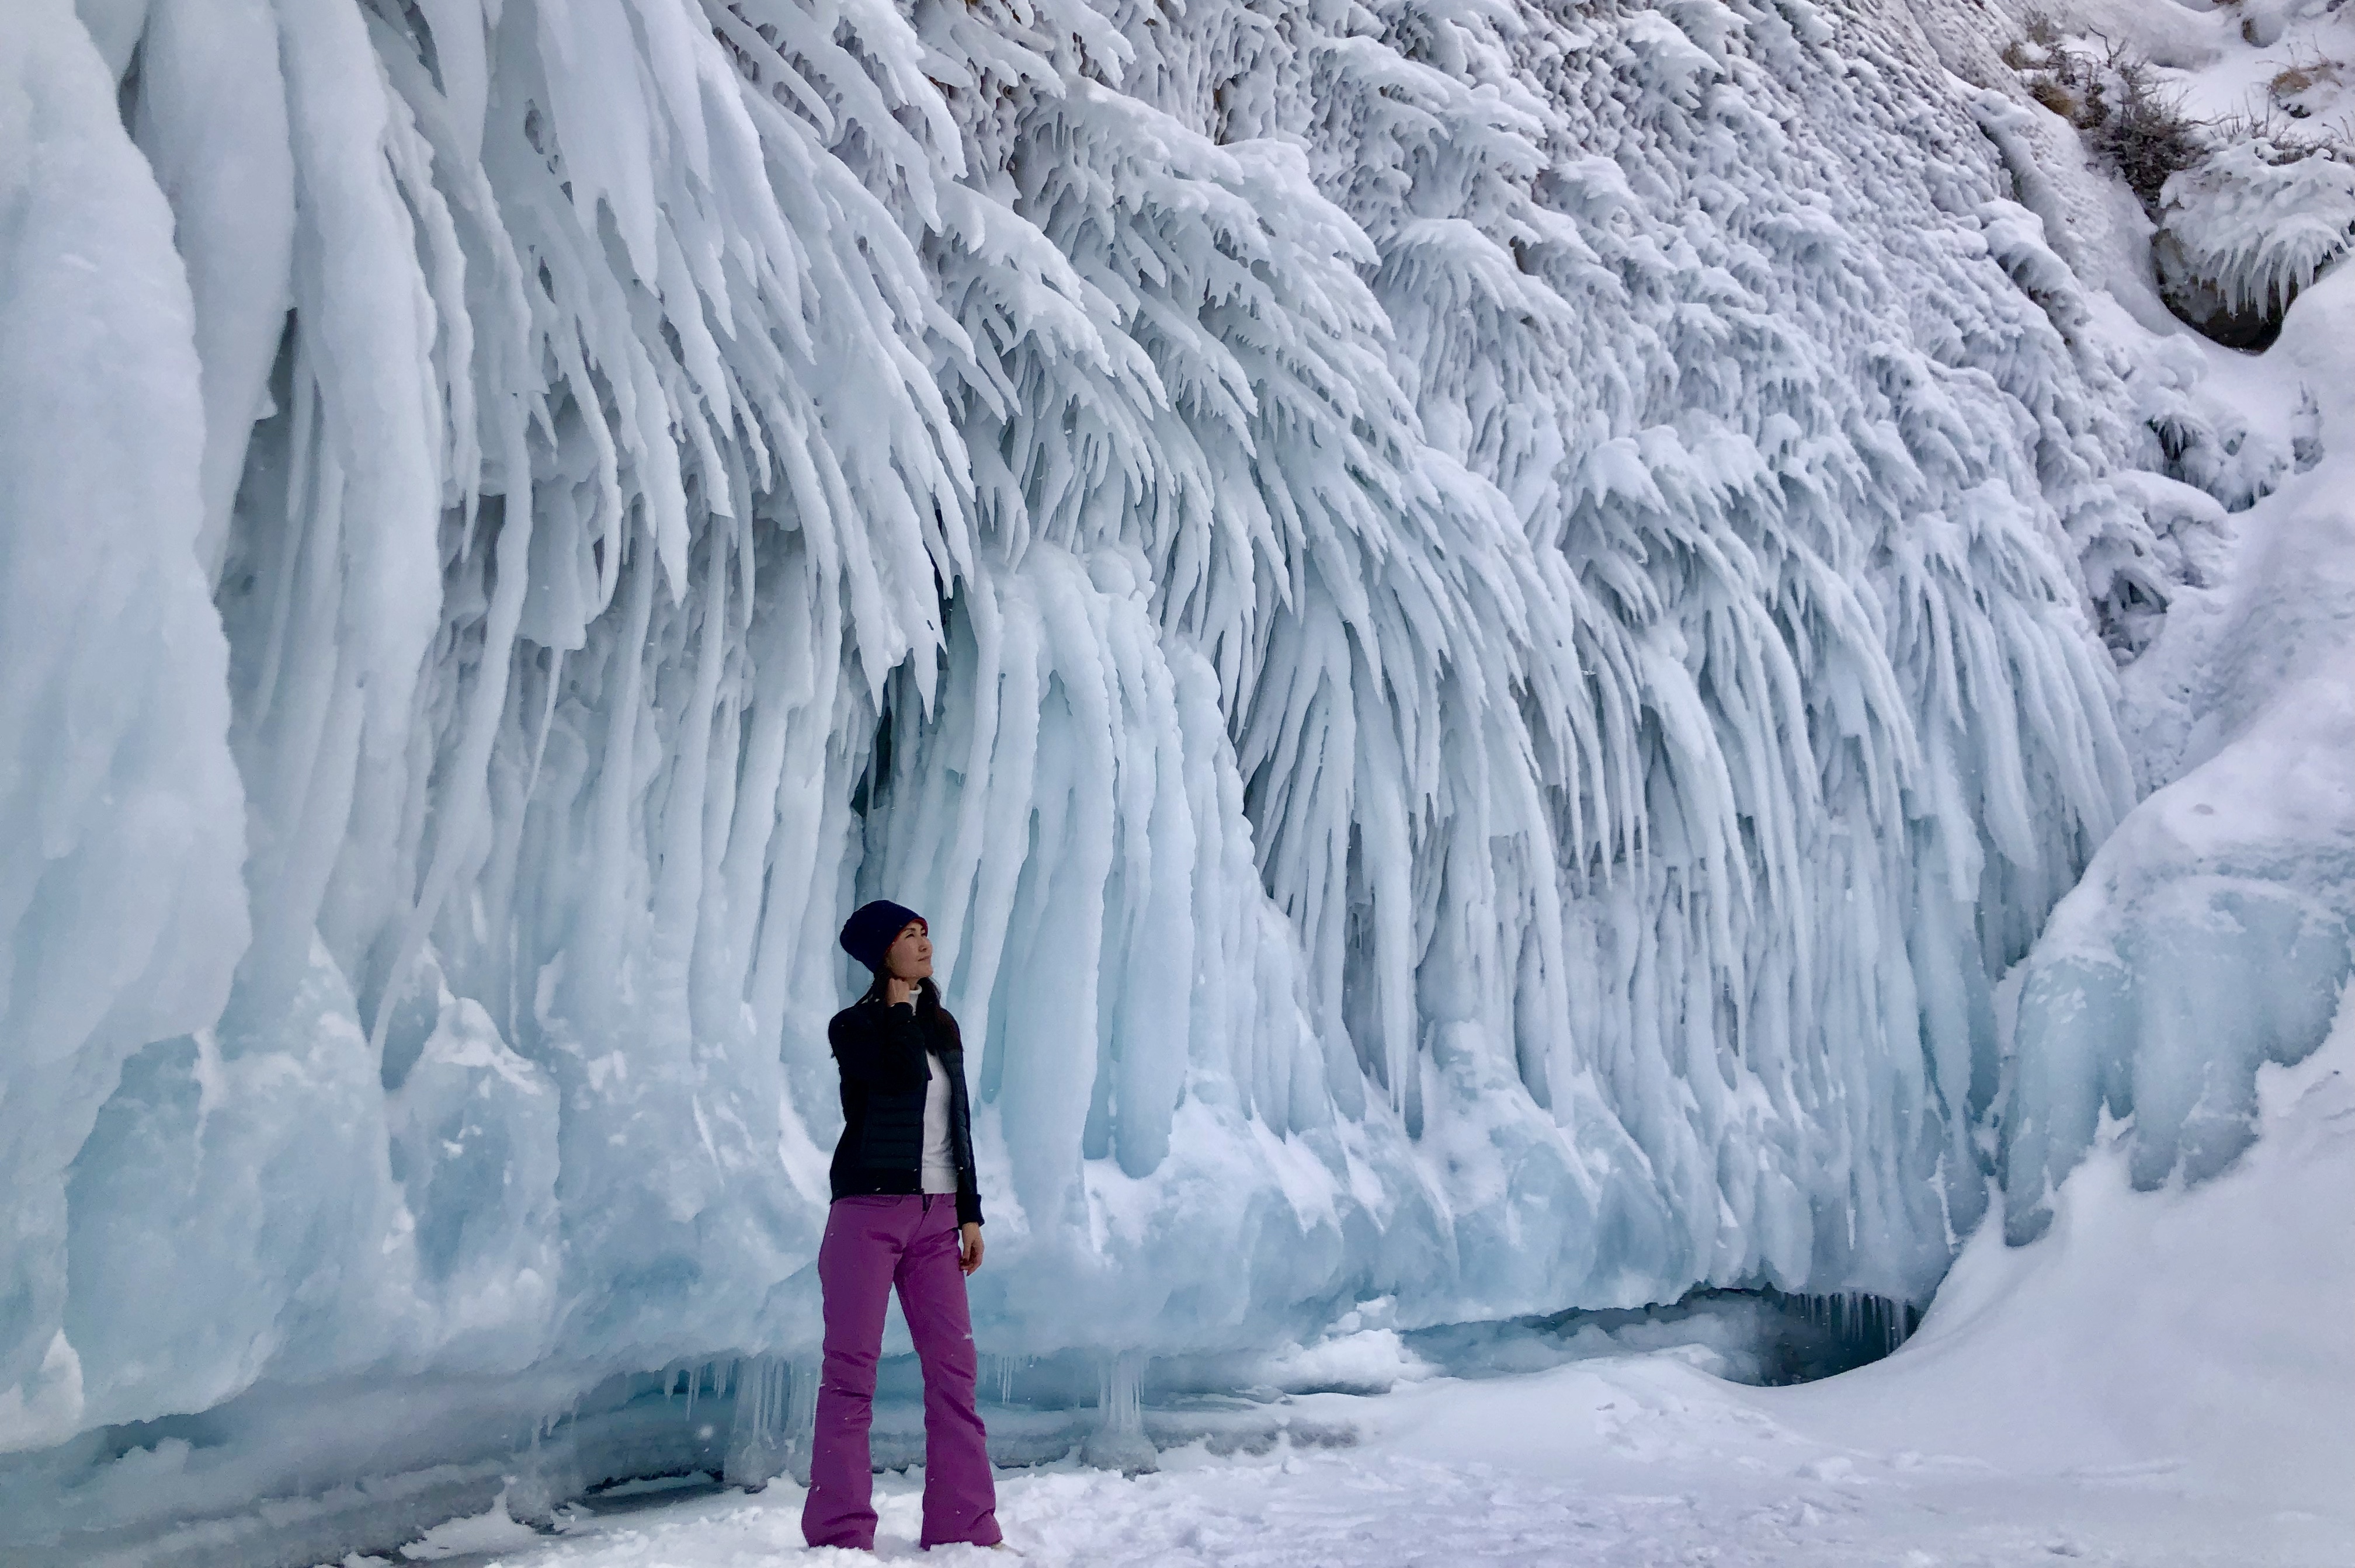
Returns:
point(2167, 1379)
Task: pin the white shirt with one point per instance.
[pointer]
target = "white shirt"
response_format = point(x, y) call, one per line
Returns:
point(940, 1160)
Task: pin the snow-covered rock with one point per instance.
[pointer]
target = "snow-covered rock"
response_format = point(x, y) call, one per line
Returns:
point(2242, 231)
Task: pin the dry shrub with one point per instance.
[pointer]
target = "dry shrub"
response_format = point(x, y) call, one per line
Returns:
point(2113, 97)
point(2056, 98)
point(2142, 131)
point(2300, 77)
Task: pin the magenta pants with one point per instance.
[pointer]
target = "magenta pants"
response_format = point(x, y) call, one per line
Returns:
point(873, 1244)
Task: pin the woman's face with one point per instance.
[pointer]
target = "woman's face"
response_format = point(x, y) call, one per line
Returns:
point(911, 955)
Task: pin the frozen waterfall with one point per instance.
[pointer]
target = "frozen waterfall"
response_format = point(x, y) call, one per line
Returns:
point(1480, 627)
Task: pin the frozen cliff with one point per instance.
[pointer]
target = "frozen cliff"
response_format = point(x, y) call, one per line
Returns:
point(1482, 628)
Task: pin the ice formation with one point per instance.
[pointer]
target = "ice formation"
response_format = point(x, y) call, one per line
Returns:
point(1479, 627)
point(2254, 222)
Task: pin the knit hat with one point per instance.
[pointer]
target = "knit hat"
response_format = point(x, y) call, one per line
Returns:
point(871, 929)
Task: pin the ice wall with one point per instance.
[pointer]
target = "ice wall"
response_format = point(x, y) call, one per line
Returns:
point(1477, 626)
point(121, 911)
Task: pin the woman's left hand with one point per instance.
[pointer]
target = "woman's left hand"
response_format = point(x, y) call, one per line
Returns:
point(969, 1248)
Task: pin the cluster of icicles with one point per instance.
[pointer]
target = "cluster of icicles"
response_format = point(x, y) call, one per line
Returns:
point(1475, 626)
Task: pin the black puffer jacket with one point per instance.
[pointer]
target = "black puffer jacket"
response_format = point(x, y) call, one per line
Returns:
point(880, 1050)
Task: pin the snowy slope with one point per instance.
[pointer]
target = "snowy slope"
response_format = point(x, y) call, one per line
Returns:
point(2188, 1337)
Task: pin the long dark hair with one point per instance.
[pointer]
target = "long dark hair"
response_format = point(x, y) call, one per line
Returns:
point(940, 1024)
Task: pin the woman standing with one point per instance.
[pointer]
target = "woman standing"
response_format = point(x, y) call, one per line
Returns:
point(906, 1212)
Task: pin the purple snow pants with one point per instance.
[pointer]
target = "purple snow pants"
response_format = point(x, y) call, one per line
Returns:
point(872, 1244)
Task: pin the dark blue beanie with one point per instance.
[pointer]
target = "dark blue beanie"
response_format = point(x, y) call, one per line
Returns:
point(871, 929)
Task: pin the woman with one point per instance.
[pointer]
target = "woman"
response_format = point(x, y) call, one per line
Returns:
point(906, 1211)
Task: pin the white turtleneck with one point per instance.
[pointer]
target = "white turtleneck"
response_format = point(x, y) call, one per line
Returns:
point(940, 1159)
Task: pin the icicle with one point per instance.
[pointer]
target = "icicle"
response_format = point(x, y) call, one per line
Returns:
point(1119, 1441)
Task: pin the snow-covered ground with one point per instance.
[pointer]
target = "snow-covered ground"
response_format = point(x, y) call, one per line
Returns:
point(2161, 1380)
